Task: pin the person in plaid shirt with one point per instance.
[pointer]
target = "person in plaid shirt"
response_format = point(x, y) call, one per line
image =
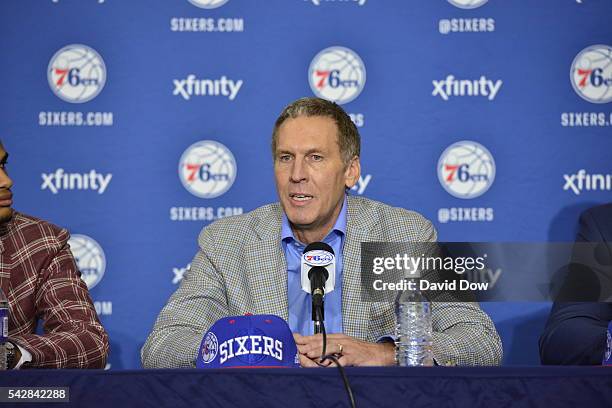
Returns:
point(39, 276)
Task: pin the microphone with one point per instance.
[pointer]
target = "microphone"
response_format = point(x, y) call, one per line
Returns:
point(318, 278)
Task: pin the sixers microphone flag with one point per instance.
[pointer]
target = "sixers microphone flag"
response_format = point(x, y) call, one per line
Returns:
point(248, 341)
point(318, 254)
point(318, 265)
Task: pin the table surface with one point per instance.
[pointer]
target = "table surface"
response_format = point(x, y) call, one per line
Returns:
point(372, 386)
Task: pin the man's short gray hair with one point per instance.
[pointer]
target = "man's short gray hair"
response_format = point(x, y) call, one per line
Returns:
point(348, 135)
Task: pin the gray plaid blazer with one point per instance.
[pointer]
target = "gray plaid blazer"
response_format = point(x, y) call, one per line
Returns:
point(241, 268)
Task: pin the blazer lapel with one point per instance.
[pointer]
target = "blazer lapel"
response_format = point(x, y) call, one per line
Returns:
point(266, 268)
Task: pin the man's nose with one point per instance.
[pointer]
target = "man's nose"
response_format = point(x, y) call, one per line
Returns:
point(5, 180)
point(298, 171)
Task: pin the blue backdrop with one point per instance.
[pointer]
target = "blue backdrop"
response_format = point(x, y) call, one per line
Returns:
point(103, 104)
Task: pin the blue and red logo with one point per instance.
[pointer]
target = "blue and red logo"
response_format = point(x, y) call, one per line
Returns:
point(208, 4)
point(591, 74)
point(318, 258)
point(76, 73)
point(337, 74)
point(207, 169)
point(466, 169)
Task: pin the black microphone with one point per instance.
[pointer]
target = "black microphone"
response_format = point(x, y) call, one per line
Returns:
point(318, 276)
point(317, 257)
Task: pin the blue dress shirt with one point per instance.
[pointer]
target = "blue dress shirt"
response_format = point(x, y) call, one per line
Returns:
point(300, 306)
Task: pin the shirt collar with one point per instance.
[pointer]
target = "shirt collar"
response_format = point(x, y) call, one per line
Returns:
point(339, 226)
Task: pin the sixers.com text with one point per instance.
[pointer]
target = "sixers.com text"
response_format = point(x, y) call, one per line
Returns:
point(75, 118)
point(202, 213)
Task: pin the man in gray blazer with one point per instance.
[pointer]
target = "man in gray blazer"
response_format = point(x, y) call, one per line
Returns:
point(242, 265)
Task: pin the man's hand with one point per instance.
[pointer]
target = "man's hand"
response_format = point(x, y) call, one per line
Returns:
point(16, 356)
point(350, 351)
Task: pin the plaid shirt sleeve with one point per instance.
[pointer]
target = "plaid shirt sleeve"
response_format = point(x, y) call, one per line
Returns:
point(45, 284)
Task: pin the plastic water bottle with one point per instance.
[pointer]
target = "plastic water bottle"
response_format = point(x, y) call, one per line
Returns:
point(4, 315)
point(413, 331)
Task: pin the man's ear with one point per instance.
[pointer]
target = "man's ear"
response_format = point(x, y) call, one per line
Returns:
point(352, 172)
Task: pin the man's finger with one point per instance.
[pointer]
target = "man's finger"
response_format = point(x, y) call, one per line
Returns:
point(337, 336)
point(344, 361)
point(328, 363)
point(306, 362)
point(315, 337)
point(299, 338)
point(313, 352)
point(309, 349)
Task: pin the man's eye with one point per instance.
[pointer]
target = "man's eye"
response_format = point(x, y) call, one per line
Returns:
point(284, 158)
point(317, 157)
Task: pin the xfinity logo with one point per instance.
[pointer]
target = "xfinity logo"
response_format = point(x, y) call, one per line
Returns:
point(361, 184)
point(589, 182)
point(487, 275)
point(451, 86)
point(59, 180)
point(179, 273)
point(206, 87)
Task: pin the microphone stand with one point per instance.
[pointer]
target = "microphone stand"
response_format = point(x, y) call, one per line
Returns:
point(318, 314)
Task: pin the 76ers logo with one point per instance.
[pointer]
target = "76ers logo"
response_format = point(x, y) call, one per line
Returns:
point(207, 169)
point(210, 348)
point(208, 4)
point(76, 73)
point(89, 257)
point(466, 169)
point(318, 258)
point(591, 74)
point(337, 74)
point(467, 4)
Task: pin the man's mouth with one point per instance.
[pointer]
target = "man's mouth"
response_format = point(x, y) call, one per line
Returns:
point(300, 197)
point(6, 200)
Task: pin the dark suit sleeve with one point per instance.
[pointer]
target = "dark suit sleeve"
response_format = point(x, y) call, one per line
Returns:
point(575, 333)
